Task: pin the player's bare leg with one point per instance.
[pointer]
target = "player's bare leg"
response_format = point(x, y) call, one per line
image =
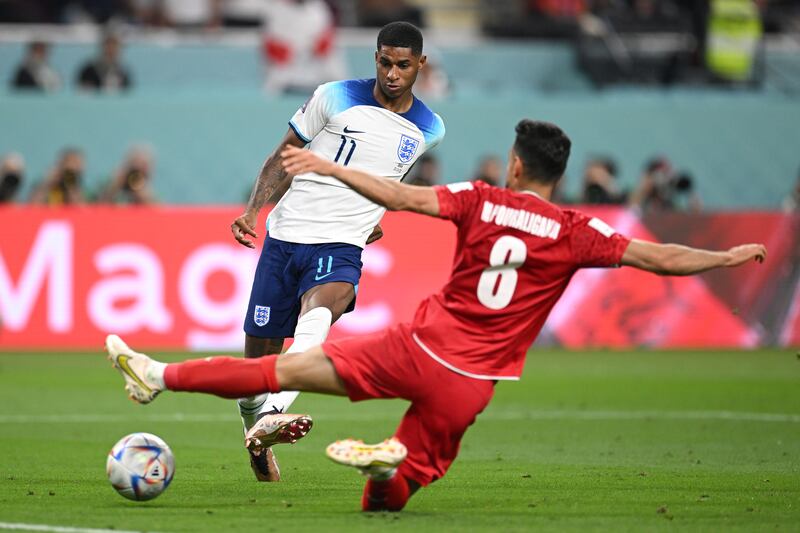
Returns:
point(264, 465)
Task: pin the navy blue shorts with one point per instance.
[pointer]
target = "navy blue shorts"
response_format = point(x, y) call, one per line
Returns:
point(286, 270)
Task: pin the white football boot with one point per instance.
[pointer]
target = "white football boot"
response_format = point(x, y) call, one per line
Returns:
point(134, 368)
point(372, 460)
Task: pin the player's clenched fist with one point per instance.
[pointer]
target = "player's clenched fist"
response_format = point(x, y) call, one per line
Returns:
point(745, 252)
point(244, 225)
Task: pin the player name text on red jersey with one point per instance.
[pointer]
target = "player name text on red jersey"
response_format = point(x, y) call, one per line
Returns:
point(520, 219)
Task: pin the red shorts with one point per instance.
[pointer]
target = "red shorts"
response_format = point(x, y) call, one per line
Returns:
point(443, 403)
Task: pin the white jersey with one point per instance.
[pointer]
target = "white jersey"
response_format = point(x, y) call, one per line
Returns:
point(343, 122)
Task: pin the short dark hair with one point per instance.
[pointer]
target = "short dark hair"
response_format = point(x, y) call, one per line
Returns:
point(543, 149)
point(401, 35)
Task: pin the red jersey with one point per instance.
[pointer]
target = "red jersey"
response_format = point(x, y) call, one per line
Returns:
point(515, 255)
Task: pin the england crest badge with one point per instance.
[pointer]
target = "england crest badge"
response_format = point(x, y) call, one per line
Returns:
point(261, 315)
point(407, 148)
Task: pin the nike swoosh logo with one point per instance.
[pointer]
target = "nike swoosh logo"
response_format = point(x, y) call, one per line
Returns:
point(318, 277)
point(122, 360)
point(352, 131)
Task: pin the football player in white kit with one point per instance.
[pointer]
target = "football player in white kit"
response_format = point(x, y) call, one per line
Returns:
point(309, 268)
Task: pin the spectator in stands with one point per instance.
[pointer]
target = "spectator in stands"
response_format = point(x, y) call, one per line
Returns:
point(299, 46)
point(27, 12)
point(600, 185)
point(662, 189)
point(427, 171)
point(182, 14)
point(243, 13)
point(377, 13)
point(554, 18)
point(63, 183)
point(490, 170)
point(105, 73)
point(93, 11)
point(35, 73)
point(132, 182)
point(792, 202)
point(12, 174)
point(559, 8)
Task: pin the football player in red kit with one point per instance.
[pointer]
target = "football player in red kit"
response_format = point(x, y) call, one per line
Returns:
point(515, 255)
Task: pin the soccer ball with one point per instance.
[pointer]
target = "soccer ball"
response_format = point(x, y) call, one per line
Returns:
point(140, 466)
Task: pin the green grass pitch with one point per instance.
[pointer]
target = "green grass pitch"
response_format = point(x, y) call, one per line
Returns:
point(608, 441)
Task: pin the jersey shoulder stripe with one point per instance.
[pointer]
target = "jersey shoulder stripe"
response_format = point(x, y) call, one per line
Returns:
point(342, 95)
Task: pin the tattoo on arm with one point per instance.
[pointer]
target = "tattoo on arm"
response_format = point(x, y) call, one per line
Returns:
point(269, 180)
point(272, 178)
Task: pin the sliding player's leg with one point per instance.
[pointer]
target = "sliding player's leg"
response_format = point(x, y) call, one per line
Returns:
point(231, 377)
point(431, 433)
point(444, 404)
point(223, 376)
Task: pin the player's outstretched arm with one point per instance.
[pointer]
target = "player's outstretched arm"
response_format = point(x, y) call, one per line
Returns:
point(679, 260)
point(270, 180)
point(392, 195)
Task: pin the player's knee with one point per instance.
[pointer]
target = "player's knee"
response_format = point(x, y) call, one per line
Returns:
point(292, 370)
point(309, 371)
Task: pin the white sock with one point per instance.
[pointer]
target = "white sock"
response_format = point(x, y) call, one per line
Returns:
point(312, 328)
point(249, 408)
point(154, 373)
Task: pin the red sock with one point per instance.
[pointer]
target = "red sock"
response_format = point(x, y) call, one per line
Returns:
point(385, 495)
point(229, 377)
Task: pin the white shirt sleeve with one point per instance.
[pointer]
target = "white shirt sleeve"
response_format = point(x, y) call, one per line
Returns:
point(309, 120)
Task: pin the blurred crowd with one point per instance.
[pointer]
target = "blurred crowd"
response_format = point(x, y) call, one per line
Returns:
point(617, 41)
point(562, 16)
point(64, 182)
point(660, 187)
point(103, 72)
point(297, 45)
point(195, 14)
point(298, 49)
point(565, 18)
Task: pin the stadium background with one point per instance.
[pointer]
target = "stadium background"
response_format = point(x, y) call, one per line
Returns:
point(169, 276)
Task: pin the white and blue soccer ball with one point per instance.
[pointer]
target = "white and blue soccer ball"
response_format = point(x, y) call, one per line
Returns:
point(140, 466)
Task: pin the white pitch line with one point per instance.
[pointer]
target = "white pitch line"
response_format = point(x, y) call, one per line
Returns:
point(517, 415)
point(57, 529)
